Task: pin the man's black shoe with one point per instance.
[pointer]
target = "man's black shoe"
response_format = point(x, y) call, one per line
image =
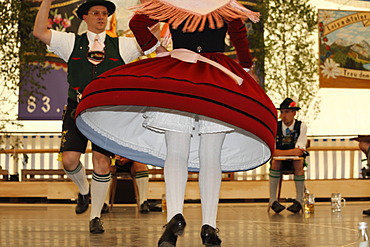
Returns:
point(174, 228)
point(145, 208)
point(105, 209)
point(367, 212)
point(82, 203)
point(209, 236)
point(295, 207)
point(277, 207)
point(96, 226)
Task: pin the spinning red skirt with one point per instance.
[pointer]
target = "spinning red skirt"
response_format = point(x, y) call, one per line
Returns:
point(111, 111)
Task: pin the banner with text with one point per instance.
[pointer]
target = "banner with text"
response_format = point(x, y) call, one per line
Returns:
point(344, 49)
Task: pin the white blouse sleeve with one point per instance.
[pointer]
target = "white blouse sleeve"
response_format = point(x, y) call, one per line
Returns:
point(129, 49)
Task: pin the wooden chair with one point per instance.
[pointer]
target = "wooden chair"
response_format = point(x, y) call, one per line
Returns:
point(288, 169)
point(113, 186)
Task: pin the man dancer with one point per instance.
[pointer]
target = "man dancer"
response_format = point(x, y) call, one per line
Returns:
point(87, 55)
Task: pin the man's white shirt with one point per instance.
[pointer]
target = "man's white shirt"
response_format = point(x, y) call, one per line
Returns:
point(62, 44)
point(302, 138)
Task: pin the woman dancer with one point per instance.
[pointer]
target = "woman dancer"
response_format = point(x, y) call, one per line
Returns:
point(202, 111)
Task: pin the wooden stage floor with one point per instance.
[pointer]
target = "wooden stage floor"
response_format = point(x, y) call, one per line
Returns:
point(240, 224)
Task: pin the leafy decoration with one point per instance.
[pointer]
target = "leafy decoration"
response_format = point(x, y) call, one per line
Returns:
point(23, 58)
point(290, 62)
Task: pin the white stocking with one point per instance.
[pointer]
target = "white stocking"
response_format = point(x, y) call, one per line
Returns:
point(176, 171)
point(210, 175)
point(99, 189)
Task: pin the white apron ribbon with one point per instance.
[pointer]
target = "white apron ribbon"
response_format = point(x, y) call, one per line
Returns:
point(192, 57)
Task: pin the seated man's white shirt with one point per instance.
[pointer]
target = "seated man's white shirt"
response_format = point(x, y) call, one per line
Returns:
point(302, 138)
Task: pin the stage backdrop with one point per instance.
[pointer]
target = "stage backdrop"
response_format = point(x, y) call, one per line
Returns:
point(49, 105)
point(62, 17)
point(344, 39)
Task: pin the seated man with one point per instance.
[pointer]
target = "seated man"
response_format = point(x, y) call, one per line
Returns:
point(290, 141)
point(141, 173)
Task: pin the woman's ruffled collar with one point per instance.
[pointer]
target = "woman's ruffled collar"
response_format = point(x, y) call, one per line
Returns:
point(195, 14)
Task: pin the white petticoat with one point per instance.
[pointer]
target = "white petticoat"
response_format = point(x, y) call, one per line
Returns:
point(160, 119)
point(119, 129)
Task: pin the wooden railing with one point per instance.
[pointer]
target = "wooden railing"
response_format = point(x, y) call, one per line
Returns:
point(325, 162)
point(39, 175)
point(334, 162)
point(33, 151)
point(334, 166)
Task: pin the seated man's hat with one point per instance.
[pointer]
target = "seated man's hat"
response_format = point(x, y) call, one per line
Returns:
point(289, 103)
point(84, 8)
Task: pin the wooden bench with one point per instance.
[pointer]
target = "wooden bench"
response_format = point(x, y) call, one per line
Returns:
point(59, 175)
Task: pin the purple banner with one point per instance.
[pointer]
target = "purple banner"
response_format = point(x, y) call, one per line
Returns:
point(49, 104)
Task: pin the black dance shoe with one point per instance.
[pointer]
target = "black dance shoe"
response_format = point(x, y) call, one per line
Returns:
point(295, 207)
point(367, 212)
point(82, 203)
point(209, 236)
point(145, 208)
point(174, 228)
point(105, 209)
point(277, 207)
point(96, 226)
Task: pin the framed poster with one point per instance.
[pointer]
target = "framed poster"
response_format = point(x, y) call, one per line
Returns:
point(344, 49)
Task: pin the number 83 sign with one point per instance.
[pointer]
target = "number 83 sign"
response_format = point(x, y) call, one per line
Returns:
point(49, 103)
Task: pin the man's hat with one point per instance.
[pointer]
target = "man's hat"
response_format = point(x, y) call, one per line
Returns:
point(84, 8)
point(289, 103)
